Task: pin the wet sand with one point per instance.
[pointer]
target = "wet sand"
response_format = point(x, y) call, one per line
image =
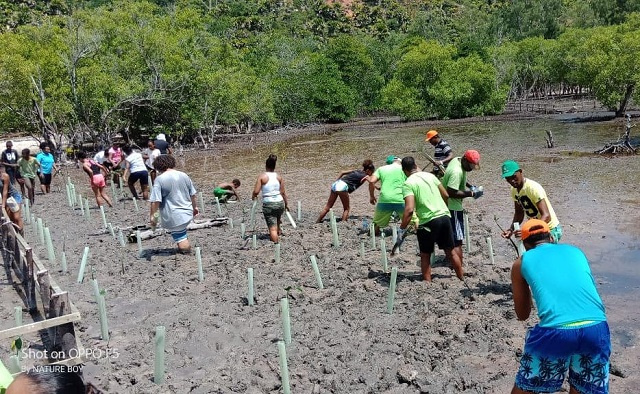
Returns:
point(441, 338)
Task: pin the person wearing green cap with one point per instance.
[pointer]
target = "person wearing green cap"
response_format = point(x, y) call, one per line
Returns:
point(530, 199)
point(391, 178)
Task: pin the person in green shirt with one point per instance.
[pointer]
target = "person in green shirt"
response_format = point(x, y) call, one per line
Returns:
point(425, 196)
point(390, 200)
point(28, 167)
point(455, 181)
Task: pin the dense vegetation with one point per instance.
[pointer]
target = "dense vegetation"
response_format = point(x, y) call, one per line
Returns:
point(90, 69)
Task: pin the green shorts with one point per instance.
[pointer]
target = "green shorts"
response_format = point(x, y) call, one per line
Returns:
point(556, 232)
point(272, 212)
point(384, 211)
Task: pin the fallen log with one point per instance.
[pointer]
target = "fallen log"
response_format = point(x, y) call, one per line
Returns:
point(147, 233)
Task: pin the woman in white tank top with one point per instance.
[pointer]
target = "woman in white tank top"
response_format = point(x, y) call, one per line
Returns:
point(274, 197)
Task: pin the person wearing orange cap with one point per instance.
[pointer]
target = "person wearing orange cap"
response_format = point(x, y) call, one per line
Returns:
point(443, 153)
point(455, 181)
point(573, 333)
point(529, 199)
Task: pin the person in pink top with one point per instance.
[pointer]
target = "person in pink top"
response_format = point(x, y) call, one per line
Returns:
point(96, 177)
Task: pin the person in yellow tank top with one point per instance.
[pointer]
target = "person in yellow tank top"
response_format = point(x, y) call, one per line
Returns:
point(530, 199)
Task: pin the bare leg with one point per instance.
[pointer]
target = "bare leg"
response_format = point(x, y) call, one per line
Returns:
point(332, 200)
point(105, 196)
point(273, 234)
point(145, 192)
point(16, 217)
point(132, 189)
point(455, 262)
point(457, 250)
point(184, 246)
point(344, 198)
point(425, 266)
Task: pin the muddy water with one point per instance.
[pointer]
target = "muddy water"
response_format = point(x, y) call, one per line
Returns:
point(597, 199)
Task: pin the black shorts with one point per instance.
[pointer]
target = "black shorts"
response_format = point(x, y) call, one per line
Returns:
point(437, 231)
point(45, 179)
point(141, 176)
point(457, 226)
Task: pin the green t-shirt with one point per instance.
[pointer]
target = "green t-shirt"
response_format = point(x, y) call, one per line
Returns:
point(423, 186)
point(391, 179)
point(455, 177)
point(28, 167)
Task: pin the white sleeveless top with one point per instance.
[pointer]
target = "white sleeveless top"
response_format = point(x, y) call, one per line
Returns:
point(271, 189)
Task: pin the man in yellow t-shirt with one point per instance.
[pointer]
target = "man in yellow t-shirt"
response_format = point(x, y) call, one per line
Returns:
point(529, 199)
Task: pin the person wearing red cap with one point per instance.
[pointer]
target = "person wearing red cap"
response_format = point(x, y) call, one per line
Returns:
point(455, 181)
point(573, 333)
point(443, 153)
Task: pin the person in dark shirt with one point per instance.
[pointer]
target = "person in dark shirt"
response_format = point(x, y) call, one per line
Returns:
point(347, 183)
point(162, 144)
point(443, 153)
point(10, 160)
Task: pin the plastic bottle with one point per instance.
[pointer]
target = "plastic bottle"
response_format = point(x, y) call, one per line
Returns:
point(365, 224)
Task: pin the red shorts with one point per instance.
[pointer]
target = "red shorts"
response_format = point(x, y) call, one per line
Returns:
point(98, 180)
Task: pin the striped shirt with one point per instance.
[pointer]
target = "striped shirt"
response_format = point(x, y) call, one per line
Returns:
point(442, 151)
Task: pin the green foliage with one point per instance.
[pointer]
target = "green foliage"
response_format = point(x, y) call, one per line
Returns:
point(93, 68)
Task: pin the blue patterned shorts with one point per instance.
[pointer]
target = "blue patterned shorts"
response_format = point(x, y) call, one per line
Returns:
point(550, 352)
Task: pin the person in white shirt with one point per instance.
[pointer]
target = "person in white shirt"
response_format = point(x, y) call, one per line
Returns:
point(274, 197)
point(149, 154)
point(134, 171)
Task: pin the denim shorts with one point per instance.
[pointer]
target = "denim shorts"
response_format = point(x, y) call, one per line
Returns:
point(549, 352)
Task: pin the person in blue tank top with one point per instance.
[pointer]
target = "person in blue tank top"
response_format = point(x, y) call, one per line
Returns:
point(573, 333)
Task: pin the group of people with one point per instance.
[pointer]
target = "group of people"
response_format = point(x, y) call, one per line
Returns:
point(18, 178)
point(572, 334)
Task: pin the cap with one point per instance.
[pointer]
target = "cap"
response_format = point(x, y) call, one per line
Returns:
point(430, 134)
point(472, 156)
point(509, 168)
point(392, 158)
point(534, 226)
point(161, 137)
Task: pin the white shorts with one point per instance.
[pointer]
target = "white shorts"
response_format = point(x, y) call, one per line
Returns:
point(13, 205)
point(339, 186)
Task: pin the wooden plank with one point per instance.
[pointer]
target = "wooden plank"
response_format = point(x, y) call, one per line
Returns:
point(41, 325)
point(44, 289)
point(30, 287)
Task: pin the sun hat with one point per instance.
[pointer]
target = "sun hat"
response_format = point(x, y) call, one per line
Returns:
point(473, 157)
point(430, 134)
point(161, 137)
point(534, 226)
point(392, 158)
point(509, 168)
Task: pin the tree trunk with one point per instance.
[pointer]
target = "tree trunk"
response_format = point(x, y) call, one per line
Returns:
point(623, 103)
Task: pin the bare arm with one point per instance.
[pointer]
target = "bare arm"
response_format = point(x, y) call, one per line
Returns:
point(544, 210)
point(127, 165)
point(87, 169)
point(518, 217)
point(444, 194)
point(194, 204)
point(257, 187)
point(372, 187)
point(5, 189)
point(152, 211)
point(521, 292)
point(409, 207)
point(103, 169)
point(448, 158)
point(283, 193)
point(343, 173)
point(453, 193)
